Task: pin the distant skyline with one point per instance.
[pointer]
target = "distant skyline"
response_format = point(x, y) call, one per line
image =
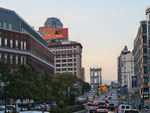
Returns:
point(103, 27)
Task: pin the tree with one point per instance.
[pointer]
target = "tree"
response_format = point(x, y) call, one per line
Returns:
point(5, 73)
point(62, 87)
point(85, 86)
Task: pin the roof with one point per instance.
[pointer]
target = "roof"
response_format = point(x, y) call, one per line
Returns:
point(53, 19)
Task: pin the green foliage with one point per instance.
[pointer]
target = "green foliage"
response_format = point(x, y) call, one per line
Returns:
point(85, 86)
point(26, 83)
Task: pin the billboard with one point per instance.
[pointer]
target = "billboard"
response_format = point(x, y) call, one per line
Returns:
point(134, 82)
point(54, 33)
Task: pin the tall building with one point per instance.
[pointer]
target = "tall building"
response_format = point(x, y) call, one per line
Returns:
point(21, 44)
point(67, 54)
point(141, 64)
point(125, 69)
point(67, 57)
point(148, 42)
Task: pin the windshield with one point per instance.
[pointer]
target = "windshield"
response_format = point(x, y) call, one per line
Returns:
point(1, 109)
point(102, 107)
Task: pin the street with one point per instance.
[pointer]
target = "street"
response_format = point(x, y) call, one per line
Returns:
point(108, 102)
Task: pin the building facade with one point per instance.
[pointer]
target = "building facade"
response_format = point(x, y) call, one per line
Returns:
point(125, 69)
point(67, 57)
point(148, 42)
point(141, 64)
point(83, 73)
point(21, 44)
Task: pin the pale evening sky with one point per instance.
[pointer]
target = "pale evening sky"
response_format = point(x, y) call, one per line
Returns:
point(103, 27)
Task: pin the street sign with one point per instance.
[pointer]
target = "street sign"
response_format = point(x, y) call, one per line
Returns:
point(103, 88)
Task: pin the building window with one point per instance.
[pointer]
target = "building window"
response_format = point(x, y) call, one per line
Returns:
point(57, 69)
point(144, 29)
point(57, 65)
point(57, 56)
point(22, 60)
point(25, 45)
point(69, 60)
point(63, 56)
point(0, 41)
point(146, 81)
point(74, 60)
point(5, 58)
point(144, 49)
point(145, 70)
point(69, 55)
point(64, 60)
point(74, 55)
point(11, 43)
point(4, 25)
point(69, 69)
point(16, 43)
point(16, 60)
point(145, 58)
point(74, 64)
point(144, 39)
point(21, 44)
point(11, 59)
point(74, 51)
point(25, 60)
point(57, 61)
point(10, 26)
point(69, 64)
point(6, 41)
point(74, 69)
point(63, 65)
point(0, 56)
point(63, 69)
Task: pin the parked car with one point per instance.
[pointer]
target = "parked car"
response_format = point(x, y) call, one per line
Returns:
point(2, 109)
point(123, 107)
point(10, 108)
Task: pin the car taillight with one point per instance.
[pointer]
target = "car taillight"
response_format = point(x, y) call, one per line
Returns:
point(106, 110)
point(97, 110)
point(114, 110)
point(118, 110)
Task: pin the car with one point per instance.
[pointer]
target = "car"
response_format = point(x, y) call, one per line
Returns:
point(102, 109)
point(123, 107)
point(10, 108)
point(2, 109)
point(131, 111)
point(111, 109)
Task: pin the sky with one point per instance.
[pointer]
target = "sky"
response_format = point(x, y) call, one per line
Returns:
point(103, 27)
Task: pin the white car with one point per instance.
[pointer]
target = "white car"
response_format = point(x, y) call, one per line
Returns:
point(123, 107)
